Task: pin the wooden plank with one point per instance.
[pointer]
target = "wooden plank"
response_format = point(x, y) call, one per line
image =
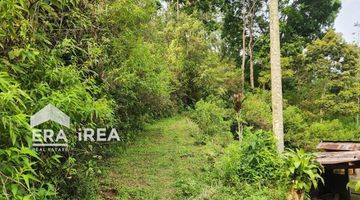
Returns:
point(338, 146)
point(326, 158)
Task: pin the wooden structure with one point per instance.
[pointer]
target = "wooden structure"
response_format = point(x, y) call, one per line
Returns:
point(337, 158)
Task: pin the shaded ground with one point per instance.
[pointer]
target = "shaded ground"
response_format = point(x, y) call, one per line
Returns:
point(163, 163)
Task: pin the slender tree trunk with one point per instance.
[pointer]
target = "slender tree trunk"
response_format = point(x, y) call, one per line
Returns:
point(276, 87)
point(240, 125)
point(251, 42)
point(243, 62)
point(177, 9)
point(251, 53)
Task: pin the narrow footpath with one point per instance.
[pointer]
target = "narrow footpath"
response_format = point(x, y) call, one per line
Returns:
point(162, 163)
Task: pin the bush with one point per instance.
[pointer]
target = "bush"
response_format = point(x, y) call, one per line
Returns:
point(18, 176)
point(301, 134)
point(294, 119)
point(253, 160)
point(69, 70)
point(257, 110)
point(211, 117)
point(333, 130)
point(303, 173)
point(294, 128)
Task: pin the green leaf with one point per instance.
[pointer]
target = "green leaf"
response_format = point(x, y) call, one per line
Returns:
point(14, 189)
point(27, 151)
point(27, 197)
point(357, 186)
point(26, 179)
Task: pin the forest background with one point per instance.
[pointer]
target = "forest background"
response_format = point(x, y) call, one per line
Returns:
point(125, 63)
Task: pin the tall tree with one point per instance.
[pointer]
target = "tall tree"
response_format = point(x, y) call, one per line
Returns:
point(251, 42)
point(301, 22)
point(243, 51)
point(276, 87)
point(328, 79)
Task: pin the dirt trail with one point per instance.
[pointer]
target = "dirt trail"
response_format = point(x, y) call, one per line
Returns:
point(156, 164)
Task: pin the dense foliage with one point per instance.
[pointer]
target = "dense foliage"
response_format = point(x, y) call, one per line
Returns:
point(254, 159)
point(303, 171)
point(81, 57)
point(124, 63)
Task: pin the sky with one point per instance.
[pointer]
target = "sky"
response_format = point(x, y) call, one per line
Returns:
point(347, 17)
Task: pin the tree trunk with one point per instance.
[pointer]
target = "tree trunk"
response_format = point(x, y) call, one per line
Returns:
point(177, 9)
point(251, 53)
point(243, 62)
point(240, 125)
point(276, 87)
point(251, 42)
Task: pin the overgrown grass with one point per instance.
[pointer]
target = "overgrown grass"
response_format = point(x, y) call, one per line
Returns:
point(166, 162)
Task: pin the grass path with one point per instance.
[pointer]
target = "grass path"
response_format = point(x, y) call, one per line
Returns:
point(160, 164)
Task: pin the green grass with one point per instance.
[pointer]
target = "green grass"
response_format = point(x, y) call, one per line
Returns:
point(170, 159)
point(164, 162)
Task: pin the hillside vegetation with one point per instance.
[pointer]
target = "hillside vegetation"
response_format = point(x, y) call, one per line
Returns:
point(138, 65)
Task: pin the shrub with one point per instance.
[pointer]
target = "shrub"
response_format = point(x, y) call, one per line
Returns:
point(211, 117)
point(254, 159)
point(294, 119)
point(18, 176)
point(300, 134)
point(257, 110)
point(294, 128)
point(330, 130)
point(303, 173)
point(43, 60)
point(140, 86)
